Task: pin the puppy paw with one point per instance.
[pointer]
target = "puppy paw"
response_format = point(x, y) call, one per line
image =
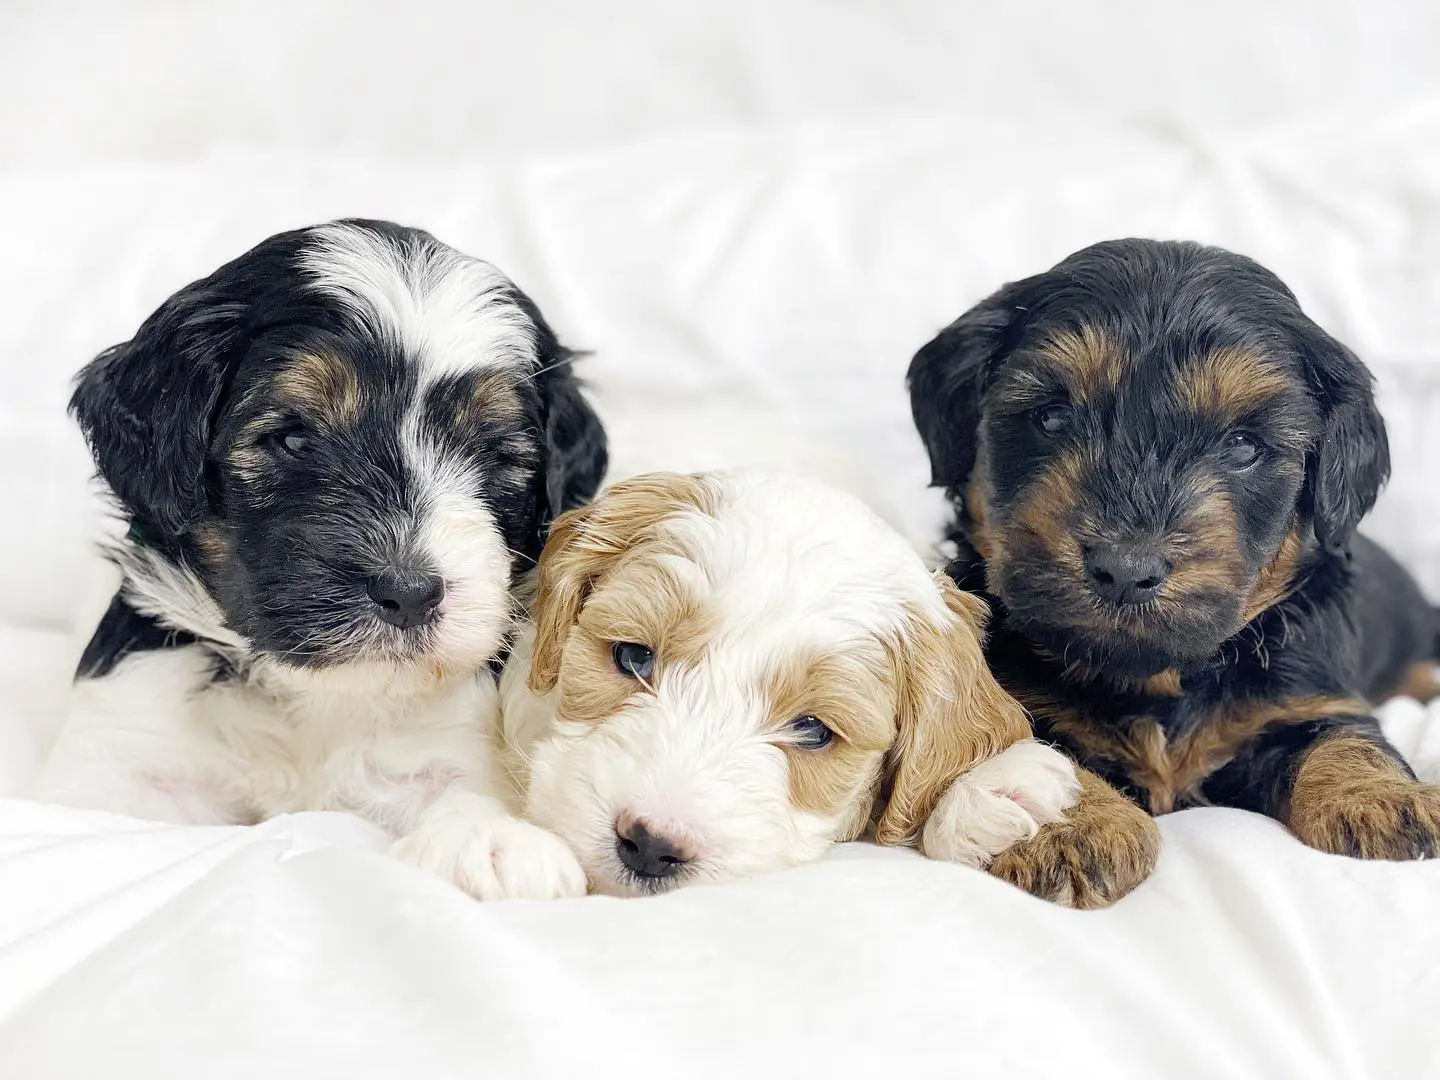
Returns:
point(1352, 795)
point(1103, 849)
point(1003, 800)
point(501, 858)
point(1399, 820)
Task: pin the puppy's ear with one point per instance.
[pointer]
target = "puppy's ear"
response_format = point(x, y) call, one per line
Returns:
point(586, 543)
point(147, 407)
point(953, 714)
point(947, 378)
point(575, 446)
point(576, 453)
point(1351, 461)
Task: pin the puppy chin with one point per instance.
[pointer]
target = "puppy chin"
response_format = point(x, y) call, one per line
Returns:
point(1125, 644)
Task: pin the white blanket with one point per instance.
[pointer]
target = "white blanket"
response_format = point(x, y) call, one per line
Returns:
point(754, 218)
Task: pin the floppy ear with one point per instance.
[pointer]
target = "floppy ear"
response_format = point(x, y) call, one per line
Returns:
point(575, 447)
point(947, 378)
point(585, 543)
point(1351, 460)
point(953, 714)
point(147, 406)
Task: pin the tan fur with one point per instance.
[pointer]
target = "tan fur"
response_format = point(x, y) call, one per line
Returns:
point(1105, 847)
point(1087, 360)
point(1276, 580)
point(1231, 384)
point(924, 700)
point(1421, 681)
point(586, 542)
point(1205, 550)
point(492, 396)
point(1170, 773)
point(323, 385)
point(952, 715)
point(858, 701)
point(1352, 798)
point(1042, 518)
point(1162, 684)
point(987, 540)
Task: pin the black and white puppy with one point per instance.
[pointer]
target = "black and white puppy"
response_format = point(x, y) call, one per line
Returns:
point(337, 456)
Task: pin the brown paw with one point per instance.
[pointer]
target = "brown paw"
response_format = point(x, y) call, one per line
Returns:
point(1352, 798)
point(1106, 846)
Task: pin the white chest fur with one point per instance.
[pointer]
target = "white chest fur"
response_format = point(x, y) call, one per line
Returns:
point(160, 738)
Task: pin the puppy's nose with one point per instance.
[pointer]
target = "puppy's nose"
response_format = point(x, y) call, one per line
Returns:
point(648, 854)
point(406, 597)
point(1123, 574)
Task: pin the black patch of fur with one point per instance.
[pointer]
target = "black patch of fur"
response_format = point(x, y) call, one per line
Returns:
point(122, 632)
point(166, 412)
point(1355, 620)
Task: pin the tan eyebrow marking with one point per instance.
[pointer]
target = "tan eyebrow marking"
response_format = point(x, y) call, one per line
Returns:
point(1088, 359)
point(324, 383)
point(1231, 383)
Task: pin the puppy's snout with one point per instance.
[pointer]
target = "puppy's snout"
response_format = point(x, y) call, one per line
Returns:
point(406, 597)
point(647, 852)
point(1125, 573)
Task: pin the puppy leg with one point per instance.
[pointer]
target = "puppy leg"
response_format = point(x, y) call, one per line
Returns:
point(477, 844)
point(1353, 795)
point(1338, 785)
point(1004, 799)
point(1104, 847)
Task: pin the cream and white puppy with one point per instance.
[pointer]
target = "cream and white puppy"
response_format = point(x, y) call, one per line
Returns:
point(729, 672)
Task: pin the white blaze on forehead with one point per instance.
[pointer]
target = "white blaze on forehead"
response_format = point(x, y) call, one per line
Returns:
point(449, 313)
point(785, 553)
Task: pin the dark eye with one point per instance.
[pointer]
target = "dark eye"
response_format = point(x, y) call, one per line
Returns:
point(292, 442)
point(1052, 419)
point(1239, 451)
point(637, 661)
point(809, 733)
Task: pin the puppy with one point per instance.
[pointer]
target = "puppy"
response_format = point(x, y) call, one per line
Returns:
point(1158, 463)
point(728, 672)
point(334, 455)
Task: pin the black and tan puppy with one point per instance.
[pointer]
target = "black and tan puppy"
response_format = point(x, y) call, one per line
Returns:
point(1158, 464)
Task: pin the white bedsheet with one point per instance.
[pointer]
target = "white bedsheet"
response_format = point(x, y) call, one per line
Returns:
point(754, 218)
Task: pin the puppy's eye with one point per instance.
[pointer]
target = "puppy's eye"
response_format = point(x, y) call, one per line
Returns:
point(1239, 451)
point(292, 442)
point(1052, 419)
point(635, 660)
point(809, 733)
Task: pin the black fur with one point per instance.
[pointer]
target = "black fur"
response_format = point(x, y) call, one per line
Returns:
point(188, 435)
point(1351, 622)
point(122, 632)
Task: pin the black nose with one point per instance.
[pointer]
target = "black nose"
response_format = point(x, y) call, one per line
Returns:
point(648, 854)
point(1123, 574)
point(406, 598)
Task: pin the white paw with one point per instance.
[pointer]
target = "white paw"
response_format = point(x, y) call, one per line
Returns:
point(1001, 801)
point(499, 858)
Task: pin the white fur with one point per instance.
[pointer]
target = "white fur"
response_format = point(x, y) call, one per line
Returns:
point(405, 742)
point(792, 563)
point(408, 751)
point(446, 309)
point(479, 845)
point(690, 761)
point(999, 802)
